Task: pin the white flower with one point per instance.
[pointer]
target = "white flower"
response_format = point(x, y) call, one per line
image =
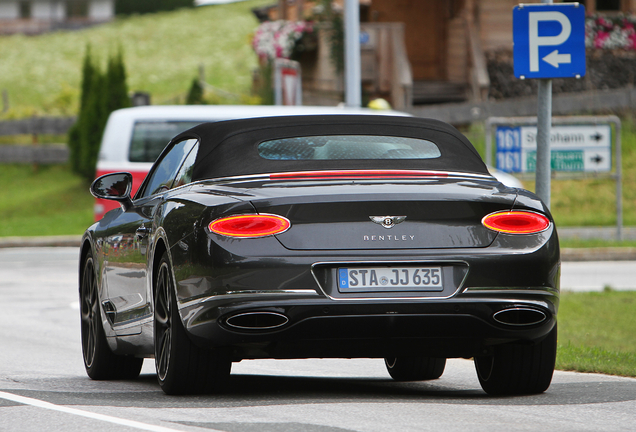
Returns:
point(276, 39)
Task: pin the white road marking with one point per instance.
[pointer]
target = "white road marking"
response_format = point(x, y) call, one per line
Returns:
point(47, 405)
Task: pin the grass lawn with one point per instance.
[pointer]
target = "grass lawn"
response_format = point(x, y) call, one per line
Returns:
point(596, 332)
point(49, 200)
point(162, 53)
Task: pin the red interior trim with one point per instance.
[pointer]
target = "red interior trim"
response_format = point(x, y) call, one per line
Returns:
point(350, 174)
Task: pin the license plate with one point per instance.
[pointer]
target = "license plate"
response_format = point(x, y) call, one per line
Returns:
point(390, 279)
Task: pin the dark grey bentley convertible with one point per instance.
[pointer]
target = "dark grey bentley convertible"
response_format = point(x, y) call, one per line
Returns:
point(320, 236)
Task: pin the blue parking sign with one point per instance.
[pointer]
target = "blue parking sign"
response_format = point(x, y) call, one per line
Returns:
point(549, 40)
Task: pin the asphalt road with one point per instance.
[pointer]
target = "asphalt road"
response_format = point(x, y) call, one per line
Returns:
point(43, 386)
point(598, 275)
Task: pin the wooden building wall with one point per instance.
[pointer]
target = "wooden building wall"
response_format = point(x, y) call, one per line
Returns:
point(494, 20)
point(425, 32)
point(457, 43)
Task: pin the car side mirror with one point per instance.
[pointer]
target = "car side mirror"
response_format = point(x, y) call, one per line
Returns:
point(114, 186)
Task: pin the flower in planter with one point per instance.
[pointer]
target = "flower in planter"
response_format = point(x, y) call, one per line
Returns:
point(277, 39)
point(603, 32)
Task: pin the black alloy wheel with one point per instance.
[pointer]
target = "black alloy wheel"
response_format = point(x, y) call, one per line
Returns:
point(518, 369)
point(100, 362)
point(415, 368)
point(182, 367)
point(163, 323)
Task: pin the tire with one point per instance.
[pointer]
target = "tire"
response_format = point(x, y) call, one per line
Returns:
point(100, 362)
point(182, 367)
point(518, 369)
point(415, 368)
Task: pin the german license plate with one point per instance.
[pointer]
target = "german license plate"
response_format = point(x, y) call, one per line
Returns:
point(390, 279)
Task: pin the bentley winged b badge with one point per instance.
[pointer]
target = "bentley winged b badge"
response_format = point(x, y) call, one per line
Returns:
point(387, 221)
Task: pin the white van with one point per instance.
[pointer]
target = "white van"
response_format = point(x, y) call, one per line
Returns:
point(134, 137)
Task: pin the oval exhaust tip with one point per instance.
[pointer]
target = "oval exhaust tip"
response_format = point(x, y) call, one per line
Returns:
point(519, 316)
point(257, 320)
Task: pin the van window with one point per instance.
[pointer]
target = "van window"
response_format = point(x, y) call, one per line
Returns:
point(150, 137)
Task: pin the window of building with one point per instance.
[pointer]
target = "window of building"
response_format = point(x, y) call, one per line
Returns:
point(608, 5)
point(25, 9)
point(77, 9)
point(593, 6)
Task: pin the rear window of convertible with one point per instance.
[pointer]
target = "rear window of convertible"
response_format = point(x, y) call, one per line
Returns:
point(348, 147)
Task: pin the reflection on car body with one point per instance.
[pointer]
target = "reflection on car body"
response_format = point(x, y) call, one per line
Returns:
point(320, 236)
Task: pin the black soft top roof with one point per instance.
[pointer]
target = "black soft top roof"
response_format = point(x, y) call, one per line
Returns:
point(229, 148)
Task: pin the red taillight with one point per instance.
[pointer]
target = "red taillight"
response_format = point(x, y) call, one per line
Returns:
point(250, 225)
point(516, 222)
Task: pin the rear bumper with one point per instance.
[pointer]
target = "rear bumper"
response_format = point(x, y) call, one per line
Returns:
point(463, 326)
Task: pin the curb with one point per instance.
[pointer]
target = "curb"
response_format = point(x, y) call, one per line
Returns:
point(49, 241)
point(599, 254)
point(567, 254)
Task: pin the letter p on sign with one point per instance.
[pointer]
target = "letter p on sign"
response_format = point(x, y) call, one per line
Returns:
point(536, 41)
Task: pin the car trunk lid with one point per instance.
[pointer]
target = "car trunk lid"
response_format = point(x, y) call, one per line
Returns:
point(340, 215)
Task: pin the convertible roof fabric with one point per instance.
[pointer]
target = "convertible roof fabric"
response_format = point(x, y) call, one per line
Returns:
point(229, 148)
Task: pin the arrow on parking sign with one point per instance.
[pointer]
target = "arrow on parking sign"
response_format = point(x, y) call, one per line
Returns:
point(554, 58)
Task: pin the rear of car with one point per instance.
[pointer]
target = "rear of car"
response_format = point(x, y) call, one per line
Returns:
point(329, 236)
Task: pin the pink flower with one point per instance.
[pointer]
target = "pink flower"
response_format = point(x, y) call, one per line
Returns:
point(600, 39)
point(605, 23)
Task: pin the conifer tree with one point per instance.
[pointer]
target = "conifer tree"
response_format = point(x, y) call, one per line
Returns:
point(91, 125)
point(88, 69)
point(195, 94)
point(116, 83)
point(101, 94)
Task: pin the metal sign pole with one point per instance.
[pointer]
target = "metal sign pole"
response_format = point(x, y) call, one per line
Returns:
point(544, 153)
point(544, 120)
point(619, 181)
point(353, 92)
